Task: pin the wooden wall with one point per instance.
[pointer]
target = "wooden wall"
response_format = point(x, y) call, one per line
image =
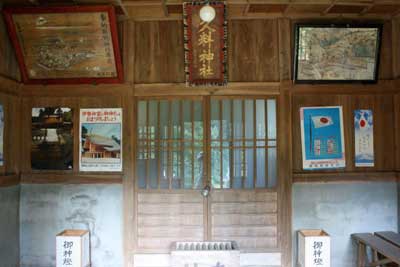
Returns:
point(260, 63)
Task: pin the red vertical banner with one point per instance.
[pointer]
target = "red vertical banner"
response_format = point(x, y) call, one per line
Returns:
point(205, 44)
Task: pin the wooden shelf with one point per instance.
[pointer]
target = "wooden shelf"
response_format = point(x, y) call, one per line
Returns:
point(333, 177)
point(70, 178)
point(7, 180)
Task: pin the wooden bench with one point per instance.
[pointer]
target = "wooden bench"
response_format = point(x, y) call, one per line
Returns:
point(389, 251)
point(391, 237)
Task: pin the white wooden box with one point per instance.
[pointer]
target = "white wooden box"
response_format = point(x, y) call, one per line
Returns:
point(314, 248)
point(73, 248)
point(205, 254)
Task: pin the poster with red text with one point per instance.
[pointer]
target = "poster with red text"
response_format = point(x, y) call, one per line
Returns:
point(101, 140)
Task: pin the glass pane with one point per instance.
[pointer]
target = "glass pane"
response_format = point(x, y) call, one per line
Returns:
point(153, 173)
point(260, 183)
point(237, 119)
point(164, 182)
point(153, 119)
point(176, 165)
point(198, 120)
point(272, 173)
point(164, 119)
point(249, 119)
point(142, 113)
point(176, 116)
point(215, 122)
point(141, 173)
point(216, 168)
point(226, 119)
point(188, 168)
point(187, 120)
point(226, 179)
point(249, 178)
point(260, 118)
point(237, 168)
point(198, 168)
point(271, 118)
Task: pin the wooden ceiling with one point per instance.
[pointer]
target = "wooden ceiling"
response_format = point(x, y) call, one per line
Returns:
point(241, 9)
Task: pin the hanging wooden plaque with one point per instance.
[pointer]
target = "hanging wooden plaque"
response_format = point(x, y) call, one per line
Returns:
point(62, 45)
point(205, 44)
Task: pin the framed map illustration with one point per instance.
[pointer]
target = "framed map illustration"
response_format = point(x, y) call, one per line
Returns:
point(337, 53)
point(61, 45)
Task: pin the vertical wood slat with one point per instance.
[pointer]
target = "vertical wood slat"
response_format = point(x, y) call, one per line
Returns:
point(231, 151)
point(169, 156)
point(243, 156)
point(284, 183)
point(220, 142)
point(158, 144)
point(192, 143)
point(267, 143)
point(181, 177)
point(147, 158)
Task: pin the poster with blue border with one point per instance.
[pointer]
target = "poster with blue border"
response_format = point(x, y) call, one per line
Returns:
point(364, 138)
point(322, 137)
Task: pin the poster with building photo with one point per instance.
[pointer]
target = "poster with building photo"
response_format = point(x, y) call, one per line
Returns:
point(322, 137)
point(52, 138)
point(1, 135)
point(101, 140)
point(364, 138)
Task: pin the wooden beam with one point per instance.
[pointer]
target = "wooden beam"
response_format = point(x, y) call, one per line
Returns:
point(235, 88)
point(9, 86)
point(9, 180)
point(76, 90)
point(326, 11)
point(367, 8)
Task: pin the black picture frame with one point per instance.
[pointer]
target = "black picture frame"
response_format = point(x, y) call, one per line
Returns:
point(351, 26)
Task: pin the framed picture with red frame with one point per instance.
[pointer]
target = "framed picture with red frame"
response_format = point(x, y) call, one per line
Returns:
point(66, 45)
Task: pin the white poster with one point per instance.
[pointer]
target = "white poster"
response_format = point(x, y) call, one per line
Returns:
point(101, 140)
point(364, 138)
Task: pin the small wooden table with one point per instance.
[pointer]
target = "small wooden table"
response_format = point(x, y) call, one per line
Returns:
point(388, 250)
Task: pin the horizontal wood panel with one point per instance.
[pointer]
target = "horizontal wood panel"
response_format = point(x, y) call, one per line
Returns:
point(243, 208)
point(251, 220)
point(171, 221)
point(247, 217)
point(169, 198)
point(183, 232)
point(164, 208)
point(243, 196)
point(158, 244)
point(163, 218)
point(245, 231)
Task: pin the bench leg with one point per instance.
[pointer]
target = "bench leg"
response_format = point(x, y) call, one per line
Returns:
point(375, 257)
point(361, 255)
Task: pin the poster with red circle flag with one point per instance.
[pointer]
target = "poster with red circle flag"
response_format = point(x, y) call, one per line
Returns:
point(322, 137)
point(364, 138)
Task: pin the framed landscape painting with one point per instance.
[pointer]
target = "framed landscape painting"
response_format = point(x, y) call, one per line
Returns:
point(66, 45)
point(337, 53)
